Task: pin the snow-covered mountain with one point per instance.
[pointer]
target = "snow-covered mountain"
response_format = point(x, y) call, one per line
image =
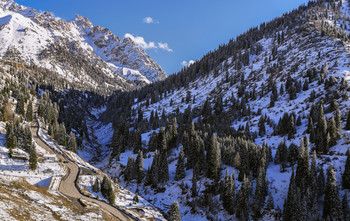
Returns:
point(76, 49)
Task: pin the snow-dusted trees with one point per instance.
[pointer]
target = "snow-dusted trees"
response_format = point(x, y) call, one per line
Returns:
point(174, 212)
point(213, 158)
point(107, 189)
point(72, 143)
point(332, 205)
point(180, 166)
point(346, 174)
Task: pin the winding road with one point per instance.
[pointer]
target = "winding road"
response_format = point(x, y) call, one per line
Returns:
point(67, 186)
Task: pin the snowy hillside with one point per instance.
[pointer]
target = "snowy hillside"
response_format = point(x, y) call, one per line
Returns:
point(293, 66)
point(77, 50)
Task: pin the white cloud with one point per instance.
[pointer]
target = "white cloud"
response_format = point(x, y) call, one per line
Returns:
point(165, 47)
point(185, 63)
point(150, 20)
point(140, 42)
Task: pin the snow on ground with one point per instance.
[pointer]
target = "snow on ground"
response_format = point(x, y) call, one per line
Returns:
point(20, 168)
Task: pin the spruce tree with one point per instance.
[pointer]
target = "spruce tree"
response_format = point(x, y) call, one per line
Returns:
point(213, 158)
point(346, 174)
point(72, 144)
point(107, 190)
point(139, 167)
point(242, 212)
point(333, 132)
point(261, 125)
point(174, 212)
point(347, 125)
point(337, 119)
point(96, 186)
point(29, 114)
point(180, 166)
point(33, 161)
point(332, 209)
point(163, 169)
point(270, 205)
point(229, 193)
point(345, 205)
point(129, 172)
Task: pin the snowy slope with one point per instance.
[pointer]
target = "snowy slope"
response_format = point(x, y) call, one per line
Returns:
point(76, 49)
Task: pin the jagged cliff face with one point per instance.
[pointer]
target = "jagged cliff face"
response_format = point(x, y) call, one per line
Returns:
point(77, 50)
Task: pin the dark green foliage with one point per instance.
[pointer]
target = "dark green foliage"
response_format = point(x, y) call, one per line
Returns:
point(347, 126)
point(10, 138)
point(72, 143)
point(346, 174)
point(281, 156)
point(261, 126)
point(139, 167)
point(322, 137)
point(333, 132)
point(33, 160)
point(96, 187)
point(180, 166)
point(107, 190)
point(129, 172)
point(345, 205)
point(228, 194)
point(332, 205)
point(213, 158)
point(29, 113)
point(242, 207)
point(174, 212)
point(286, 125)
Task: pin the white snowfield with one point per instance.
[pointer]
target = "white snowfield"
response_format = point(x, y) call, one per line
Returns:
point(34, 38)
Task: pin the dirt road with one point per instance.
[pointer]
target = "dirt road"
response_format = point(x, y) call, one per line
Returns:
point(67, 186)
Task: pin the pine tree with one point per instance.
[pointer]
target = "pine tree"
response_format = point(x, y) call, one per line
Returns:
point(242, 212)
point(345, 205)
point(261, 125)
point(270, 205)
point(322, 137)
point(153, 173)
point(346, 174)
point(138, 142)
point(139, 167)
point(96, 186)
point(29, 114)
point(72, 144)
point(174, 212)
point(180, 166)
point(333, 132)
point(332, 206)
point(33, 161)
point(107, 190)
point(291, 203)
point(337, 119)
point(163, 169)
point(213, 158)
point(229, 193)
point(129, 172)
point(347, 126)
point(194, 191)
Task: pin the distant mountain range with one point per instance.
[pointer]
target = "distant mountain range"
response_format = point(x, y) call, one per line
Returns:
point(76, 49)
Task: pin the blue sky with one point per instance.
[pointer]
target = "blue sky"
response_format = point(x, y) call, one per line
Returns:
point(180, 30)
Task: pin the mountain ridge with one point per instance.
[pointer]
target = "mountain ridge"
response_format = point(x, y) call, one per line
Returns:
point(52, 43)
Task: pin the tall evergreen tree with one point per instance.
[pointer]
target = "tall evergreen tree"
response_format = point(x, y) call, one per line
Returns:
point(332, 209)
point(163, 169)
point(174, 212)
point(213, 158)
point(345, 205)
point(346, 174)
point(139, 167)
point(242, 212)
point(72, 143)
point(347, 126)
point(107, 190)
point(129, 172)
point(180, 166)
point(29, 113)
point(229, 193)
point(33, 162)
